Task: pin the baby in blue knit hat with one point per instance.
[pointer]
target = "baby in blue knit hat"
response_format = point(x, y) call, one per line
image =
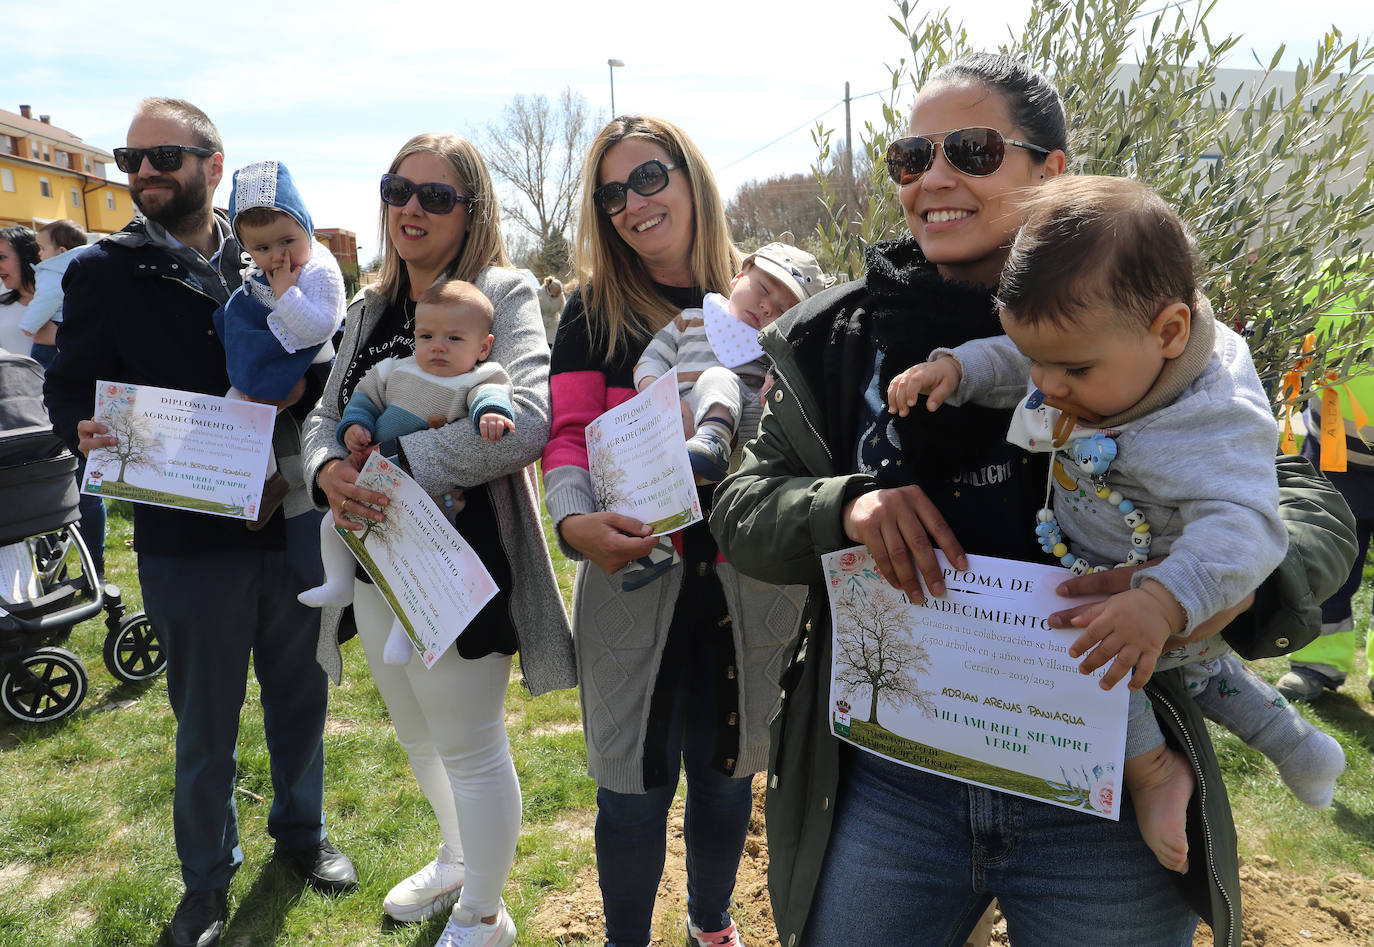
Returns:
point(290, 304)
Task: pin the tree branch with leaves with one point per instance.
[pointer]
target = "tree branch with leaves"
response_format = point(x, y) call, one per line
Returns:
point(1272, 175)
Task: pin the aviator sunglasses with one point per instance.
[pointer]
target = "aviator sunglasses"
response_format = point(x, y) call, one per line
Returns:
point(976, 152)
point(647, 179)
point(435, 197)
point(161, 157)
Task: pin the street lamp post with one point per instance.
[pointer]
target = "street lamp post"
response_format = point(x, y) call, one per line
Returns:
point(611, 64)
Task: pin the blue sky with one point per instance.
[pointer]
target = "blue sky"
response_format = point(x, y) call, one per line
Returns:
point(333, 90)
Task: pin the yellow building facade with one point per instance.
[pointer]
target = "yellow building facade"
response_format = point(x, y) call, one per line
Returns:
point(47, 173)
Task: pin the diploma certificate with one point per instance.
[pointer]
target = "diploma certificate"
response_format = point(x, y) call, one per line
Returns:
point(974, 685)
point(426, 571)
point(181, 449)
point(637, 456)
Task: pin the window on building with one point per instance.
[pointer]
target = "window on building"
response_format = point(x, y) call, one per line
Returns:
point(47, 155)
point(36, 151)
point(109, 201)
point(63, 159)
point(76, 198)
point(99, 168)
point(88, 164)
point(44, 187)
point(7, 179)
point(6, 144)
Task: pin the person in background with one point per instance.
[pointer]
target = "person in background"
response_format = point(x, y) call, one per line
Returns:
point(1324, 664)
point(59, 242)
point(551, 300)
point(18, 257)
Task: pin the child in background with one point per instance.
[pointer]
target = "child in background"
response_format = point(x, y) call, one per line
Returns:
point(551, 302)
point(445, 380)
point(1172, 442)
point(291, 302)
point(720, 366)
point(59, 242)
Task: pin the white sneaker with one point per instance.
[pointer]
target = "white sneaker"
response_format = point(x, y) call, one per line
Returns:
point(424, 894)
point(465, 929)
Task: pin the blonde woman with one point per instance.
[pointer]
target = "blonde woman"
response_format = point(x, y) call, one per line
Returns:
point(440, 221)
point(667, 672)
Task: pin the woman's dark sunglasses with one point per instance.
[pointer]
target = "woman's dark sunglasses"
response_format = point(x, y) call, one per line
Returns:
point(161, 157)
point(976, 152)
point(649, 178)
point(435, 198)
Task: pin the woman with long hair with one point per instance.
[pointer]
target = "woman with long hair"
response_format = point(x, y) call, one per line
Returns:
point(440, 221)
point(862, 847)
point(18, 257)
point(680, 670)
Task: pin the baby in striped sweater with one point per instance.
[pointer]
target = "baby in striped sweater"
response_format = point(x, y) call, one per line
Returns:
point(445, 380)
point(720, 365)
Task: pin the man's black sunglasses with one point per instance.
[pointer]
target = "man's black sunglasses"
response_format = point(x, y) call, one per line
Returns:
point(161, 157)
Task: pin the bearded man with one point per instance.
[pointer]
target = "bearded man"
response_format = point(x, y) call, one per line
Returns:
point(137, 309)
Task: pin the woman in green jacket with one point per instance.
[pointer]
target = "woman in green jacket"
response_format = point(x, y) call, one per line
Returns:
point(863, 849)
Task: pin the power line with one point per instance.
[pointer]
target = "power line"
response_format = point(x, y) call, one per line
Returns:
point(1141, 16)
point(804, 124)
point(855, 98)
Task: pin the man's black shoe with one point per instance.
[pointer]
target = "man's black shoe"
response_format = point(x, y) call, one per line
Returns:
point(323, 867)
point(199, 918)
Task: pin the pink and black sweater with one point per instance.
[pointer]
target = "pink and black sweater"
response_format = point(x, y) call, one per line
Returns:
point(632, 644)
point(585, 382)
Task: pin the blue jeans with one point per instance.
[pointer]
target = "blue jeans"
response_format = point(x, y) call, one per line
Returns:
point(216, 612)
point(914, 859)
point(632, 828)
point(43, 354)
point(1340, 606)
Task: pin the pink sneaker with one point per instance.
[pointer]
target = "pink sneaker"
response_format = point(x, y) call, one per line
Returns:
point(696, 937)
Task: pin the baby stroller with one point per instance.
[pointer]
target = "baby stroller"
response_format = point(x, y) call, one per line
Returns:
point(48, 582)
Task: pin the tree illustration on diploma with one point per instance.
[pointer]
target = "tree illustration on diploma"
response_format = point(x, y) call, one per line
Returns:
point(139, 446)
point(875, 652)
point(387, 532)
point(608, 478)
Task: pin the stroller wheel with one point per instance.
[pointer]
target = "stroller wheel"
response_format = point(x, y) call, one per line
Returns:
point(48, 684)
point(133, 651)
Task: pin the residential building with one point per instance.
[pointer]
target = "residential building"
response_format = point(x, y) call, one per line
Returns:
point(47, 173)
point(342, 243)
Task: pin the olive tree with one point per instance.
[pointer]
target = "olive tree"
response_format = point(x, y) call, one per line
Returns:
point(1272, 175)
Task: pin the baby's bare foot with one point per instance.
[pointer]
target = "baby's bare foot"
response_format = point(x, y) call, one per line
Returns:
point(1161, 784)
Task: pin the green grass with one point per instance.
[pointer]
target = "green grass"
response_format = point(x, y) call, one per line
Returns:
point(1270, 821)
point(87, 855)
point(86, 849)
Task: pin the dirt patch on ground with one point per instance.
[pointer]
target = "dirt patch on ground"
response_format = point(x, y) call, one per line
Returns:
point(574, 916)
point(1279, 909)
